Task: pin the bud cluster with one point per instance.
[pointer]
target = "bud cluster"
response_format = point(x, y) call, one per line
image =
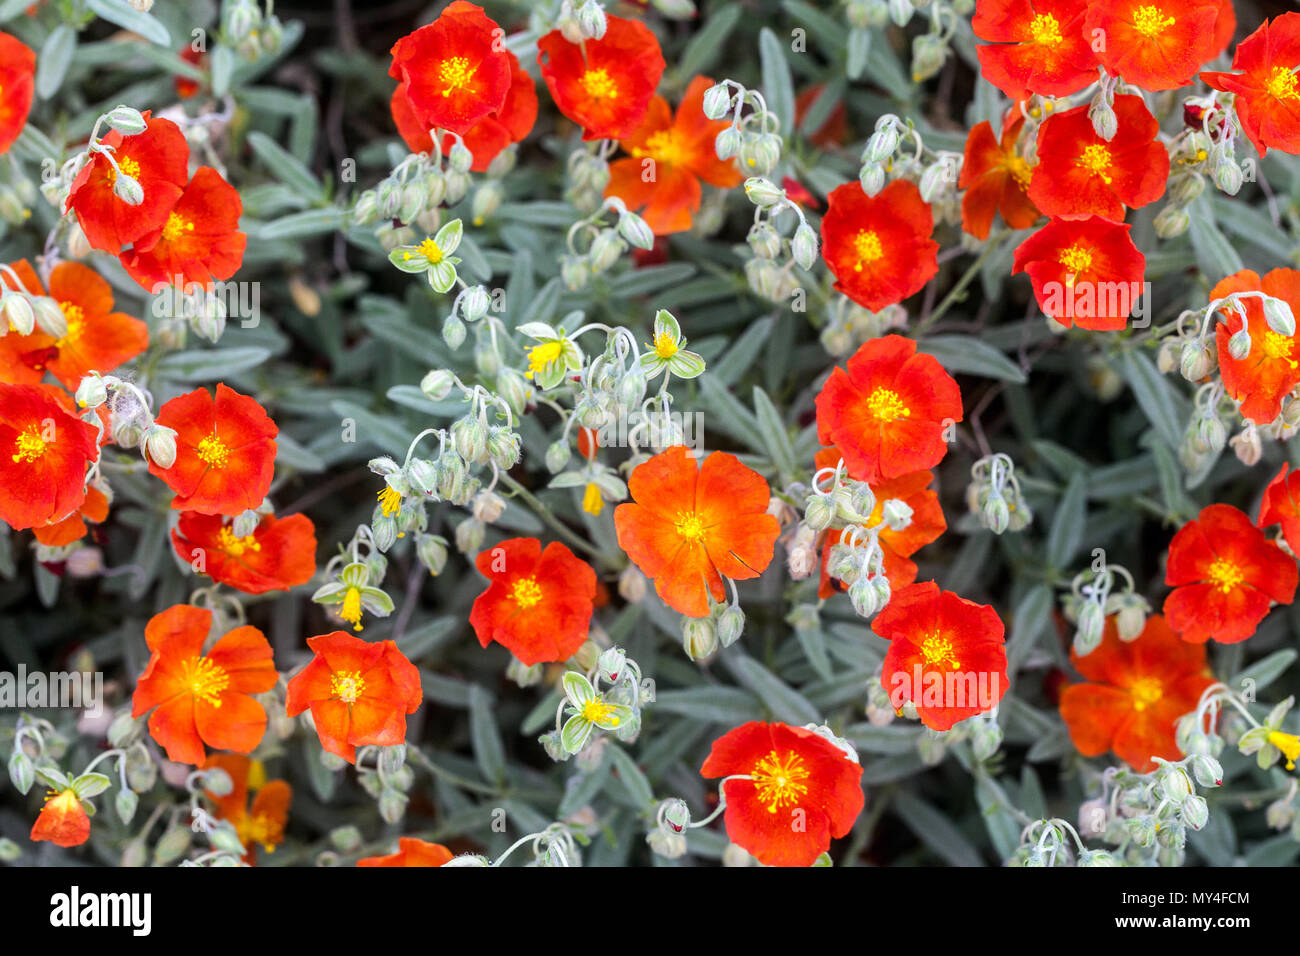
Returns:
point(994, 497)
point(593, 246)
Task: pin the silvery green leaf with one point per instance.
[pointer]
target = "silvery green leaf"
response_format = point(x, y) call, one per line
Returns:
point(541, 331)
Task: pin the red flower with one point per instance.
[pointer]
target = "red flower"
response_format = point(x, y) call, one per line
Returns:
point(198, 242)
point(98, 339)
point(487, 137)
point(688, 527)
point(200, 699)
point(73, 528)
point(1087, 272)
point(1038, 46)
point(538, 604)
point(603, 85)
point(278, 555)
point(17, 72)
point(1281, 505)
point(888, 414)
point(225, 452)
point(1267, 91)
point(44, 453)
point(995, 177)
point(359, 693)
point(669, 157)
point(1079, 174)
point(879, 247)
point(158, 159)
point(946, 654)
point(795, 192)
point(1264, 377)
point(1139, 689)
point(411, 852)
point(185, 87)
point(1154, 44)
point(261, 824)
point(801, 790)
point(454, 71)
point(1224, 573)
point(63, 820)
point(834, 131)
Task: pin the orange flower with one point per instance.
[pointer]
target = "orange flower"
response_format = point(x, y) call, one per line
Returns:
point(1263, 378)
point(262, 824)
point(157, 159)
point(454, 71)
point(1139, 689)
point(669, 157)
point(1267, 91)
point(98, 339)
point(879, 247)
point(44, 453)
point(359, 693)
point(63, 820)
point(199, 698)
point(889, 413)
point(185, 87)
point(687, 527)
point(278, 555)
point(995, 177)
point(199, 241)
point(603, 85)
point(789, 791)
point(1225, 573)
point(1084, 272)
point(947, 655)
point(1281, 505)
point(487, 137)
point(73, 528)
point(1154, 44)
point(1036, 46)
point(538, 604)
point(17, 73)
point(225, 452)
point(1079, 174)
point(411, 852)
point(897, 547)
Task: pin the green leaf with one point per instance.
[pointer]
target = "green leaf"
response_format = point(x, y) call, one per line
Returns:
point(1266, 671)
point(702, 50)
point(129, 18)
point(223, 69)
point(999, 820)
point(778, 87)
point(210, 365)
point(716, 704)
point(632, 777)
point(785, 703)
point(298, 225)
point(776, 439)
point(1066, 533)
point(488, 750)
point(1164, 408)
point(285, 167)
point(54, 60)
point(965, 353)
point(1215, 255)
point(1028, 622)
point(935, 830)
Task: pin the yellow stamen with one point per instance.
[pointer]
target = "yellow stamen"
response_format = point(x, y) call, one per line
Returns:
point(1146, 691)
point(938, 651)
point(429, 249)
point(1096, 159)
point(390, 501)
point(664, 147)
point(1224, 575)
point(1046, 30)
point(1076, 260)
point(542, 355)
point(867, 245)
point(1282, 84)
point(526, 592)
point(127, 165)
point(1279, 347)
point(455, 74)
point(31, 445)
point(235, 546)
point(347, 686)
point(1020, 170)
point(213, 451)
point(351, 610)
point(779, 779)
point(593, 502)
point(597, 711)
point(1289, 744)
point(205, 679)
point(689, 526)
point(885, 406)
point(664, 346)
point(75, 317)
point(599, 85)
point(1151, 21)
point(175, 227)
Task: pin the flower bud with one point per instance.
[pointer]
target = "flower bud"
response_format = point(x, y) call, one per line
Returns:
point(128, 189)
point(818, 512)
point(632, 585)
point(928, 55)
point(92, 392)
point(804, 246)
point(760, 154)
point(896, 514)
point(49, 316)
point(469, 438)
point(453, 332)
point(1185, 188)
point(864, 597)
point(1247, 447)
point(666, 843)
point(16, 308)
point(557, 456)
point(1279, 316)
point(764, 240)
point(160, 445)
point(727, 143)
point(717, 101)
point(872, 178)
point(431, 551)
point(763, 193)
point(1104, 121)
point(22, 772)
point(1172, 222)
point(469, 536)
point(1130, 621)
point(475, 303)
point(605, 249)
point(699, 637)
point(436, 385)
point(1089, 628)
point(1239, 344)
point(487, 507)
point(1196, 361)
point(636, 230)
point(503, 448)
point(731, 624)
point(1196, 812)
point(1207, 770)
point(1228, 176)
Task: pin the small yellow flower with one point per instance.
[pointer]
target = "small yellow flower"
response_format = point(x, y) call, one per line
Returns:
point(351, 610)
point(592, 501)
point(1289, 744)
point(542, 355)
point(390, 501)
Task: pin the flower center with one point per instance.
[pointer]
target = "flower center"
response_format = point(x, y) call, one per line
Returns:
point(1282, 84)
point(868, 248)
point(1279, 347)
point(540, 356)
point(390, 501)
point(1096, 159)
point(429, 249)
point(596, 710)
point(127, 165)
point(30, 445)
point(1019, 169)
point(1076, 260)
point(1046, 30)
point(1289, 744)
point(176, 227)
point(1151, 21)
point(664, 147)
point(347, 686)
point(599, 85)
point(665, 347)
point(780, 779)
point(938, 651)
point(351, 610)
point(1146, 691)
point(235, 546)
point(455, 74)
point(1225, 575)
point(689, 526)
point(526, 592)
point(213, 451)
point(885, 406)
point(75, 317)
point(205, 679)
